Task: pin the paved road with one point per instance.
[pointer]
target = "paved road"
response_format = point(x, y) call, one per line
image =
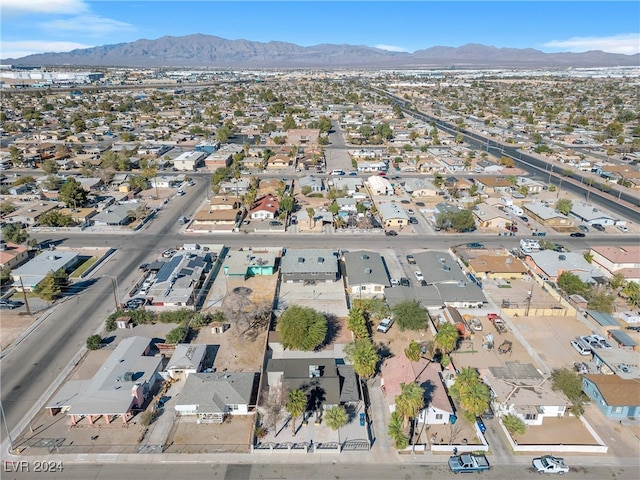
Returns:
point(320, 469)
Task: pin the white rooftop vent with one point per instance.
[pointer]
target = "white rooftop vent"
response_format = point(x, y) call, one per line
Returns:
point(367, 270)
point(314, 371)
point(365, 257)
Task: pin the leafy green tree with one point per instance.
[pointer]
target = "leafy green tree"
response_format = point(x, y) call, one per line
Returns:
point(514, 425)
point(616, 282)
point(72, 193)
point(447, 337)
point(413, 352)
point(7, 207)
point(296, 405)
point(55, 218)
point(334, 208)
point(396, 432)
point(336, 417)
point(52, 285)
point(287, 203)
point(27, 179)
point(51, 183)
point(177, 335)
point(564, 206)
point(631, 290)
point(306, 190)
point(50, 166)
point(138, 182)
point(571, 284)
point(473, 394)
point(14, 233)
point(461, 221)
point(302, 328)
point(409, 402)
point(601, 300)
point(93, 342)
point(410, 315)
point(364, 356)
point(570, 383)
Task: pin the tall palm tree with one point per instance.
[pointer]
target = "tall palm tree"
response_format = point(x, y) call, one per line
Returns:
point(311, 212)
point(336, 417)
point(447, 337)
point(296, 406)
point(476, 398)
point(396, 432)
point(409, 402)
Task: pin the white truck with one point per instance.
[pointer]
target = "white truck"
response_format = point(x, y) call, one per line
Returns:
point(550, 464)
point(528, 245)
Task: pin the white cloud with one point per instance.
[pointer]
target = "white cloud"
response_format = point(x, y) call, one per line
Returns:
point(44, 6)
point(94, 25)
point(391, 48)
point(628, 43)
point(28, 47)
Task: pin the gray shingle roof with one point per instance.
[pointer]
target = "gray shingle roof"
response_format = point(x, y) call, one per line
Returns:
point(363, 267)
point(213, 392)
point(321, 260)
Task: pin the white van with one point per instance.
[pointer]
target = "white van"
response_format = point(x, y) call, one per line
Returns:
point(336, 172)
point(528, 245)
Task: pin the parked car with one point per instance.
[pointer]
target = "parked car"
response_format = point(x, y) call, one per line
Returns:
point(512, 228)
point(390, 233)
point(475, 324)
point(583, 228)
point(581, 367)
point(468, 463)
point(169, 253)
point(635, 328)
point(419, 275)
point(134, 303)
point(580, 347)
point(598, 227)
point(413, 220)
point(524, 219)
point(622, 228)
point(602, 341)
point(590, 342)
point(577, 235)
point(275, 223)
point(144, 266)
point(411, 260)
point(550, 464)
point(410, 211)
point(180, 193)
point(481, 425)
point(395, 281)
point(404, 281)
point(488, 414)
point(475, 245)
point(10, 304)
point(385, 325)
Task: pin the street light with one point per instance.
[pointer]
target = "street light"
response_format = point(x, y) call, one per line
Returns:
point(115, 288)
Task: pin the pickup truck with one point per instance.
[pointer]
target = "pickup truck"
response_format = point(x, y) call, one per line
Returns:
point(550, 464)
point(468, 463)
point(498, 323)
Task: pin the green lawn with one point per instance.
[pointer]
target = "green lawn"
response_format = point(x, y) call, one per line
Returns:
point(84, 266)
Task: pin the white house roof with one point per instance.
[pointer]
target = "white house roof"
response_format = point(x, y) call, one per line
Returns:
point(554, 263)
point(36, 269)
point(392, 210)
point(543, 212)
point(589, 213)
point(187, 356)
point(213, 392)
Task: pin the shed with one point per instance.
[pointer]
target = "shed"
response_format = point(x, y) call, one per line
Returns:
point(622, 339)
point(606, 321)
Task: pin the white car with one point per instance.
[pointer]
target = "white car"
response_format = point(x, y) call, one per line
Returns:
point(385, 325)
point(580, 348)
point(602, 341)
point(550, 464)
point(622, 228)
point(419, 275)
point(395, 281)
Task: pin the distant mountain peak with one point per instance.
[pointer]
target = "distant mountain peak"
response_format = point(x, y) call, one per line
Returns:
point(209, 51)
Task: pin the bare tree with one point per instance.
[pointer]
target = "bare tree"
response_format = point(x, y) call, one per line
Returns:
point(248, 318)
point(274, 406)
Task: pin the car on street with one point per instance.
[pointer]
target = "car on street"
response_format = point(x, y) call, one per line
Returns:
point(134, 303)
point(475, 245)
point(169, 253)
point(420, 204)
point(622, 228)
point(524, 219)
point(10, 304)
point(385, 325)
point(180, 193)
point(395, 281)
point(353, 174)
point(411, 260)
point(583, 228)
point(419, 275)
point(577, 235)
point(410, 211)
point(404, 281)
point(481, 425)
point(580, 347)
point(598, 227)
point(413, 220)
point(550, 464)
point(390, 233)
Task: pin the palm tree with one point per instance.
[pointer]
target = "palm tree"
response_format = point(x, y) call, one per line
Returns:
point(409, 402)
point(413, 352)
point(336, 417)
point(311, 212)
point(447, 337)
point(476, 398)
point(296, 406)
point(364, 356)
point(396, 432)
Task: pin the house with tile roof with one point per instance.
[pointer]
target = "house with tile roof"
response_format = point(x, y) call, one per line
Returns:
point(12, 255)
point(498, 266)
point(265, 208)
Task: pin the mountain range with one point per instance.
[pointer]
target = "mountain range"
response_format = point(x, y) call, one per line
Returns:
point(208, 51)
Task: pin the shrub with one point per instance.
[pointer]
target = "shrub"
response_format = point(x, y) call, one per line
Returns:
point(177, 334)
point(93, 342)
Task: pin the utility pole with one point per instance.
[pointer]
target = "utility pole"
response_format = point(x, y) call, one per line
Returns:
point(24, 295)
point(528, 305)
point(115, 294)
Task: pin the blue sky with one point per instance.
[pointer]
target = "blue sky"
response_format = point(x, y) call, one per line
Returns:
point(34, 26)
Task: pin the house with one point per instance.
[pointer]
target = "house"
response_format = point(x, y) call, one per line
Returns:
point(444, 207)
point(587, 213)
point(278, 162)
point(29, 275)
point(519, 389)
point(187, 358)
point(379, 185)
point(547, 216)
point(616, 397)
point(265, 208)
point(30, 214)
point(498, 185)
point(222, 157)
point(326, 382)
point(489, 216)
point(614, 260)
point(397, 370)
point(393, 215)
point(485, 166)
point(419, 187)
point(348, 185)
point(453, 164)
point(224, 202)
point(12, 255)
point(365, 166)
point(206, 218)
point(115, 215)
point(309, 264)
point(123, 384)
point(498, 266)
point(80, 216)
point(212, 396)
point(366, 274)
point(178, 280)
point(550, 264)
point(533, 186)
point(314, 183)
point(238, 186)
point(258, 261)
point(347, 205)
